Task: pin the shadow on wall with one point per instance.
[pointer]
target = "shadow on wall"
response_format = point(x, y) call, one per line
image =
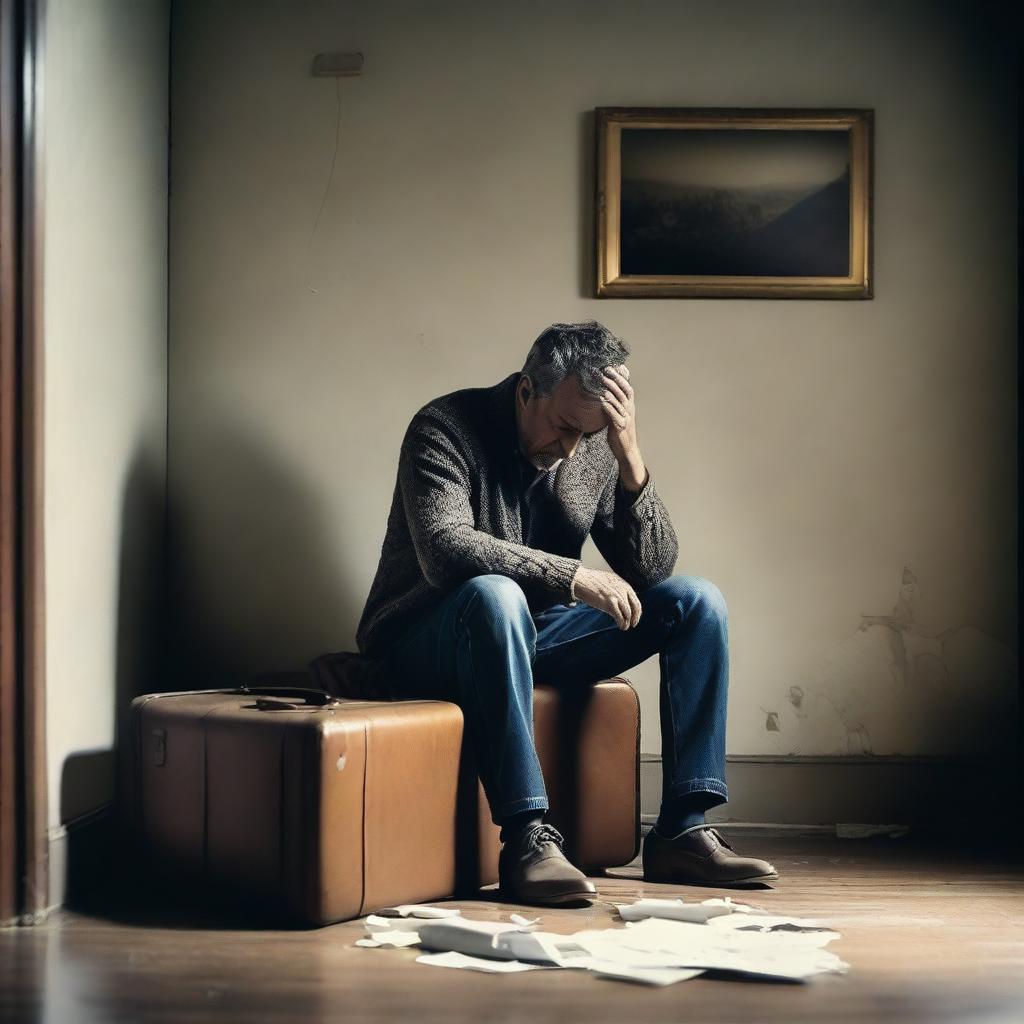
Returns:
point(255, 579)
point(244, 579)
point(88, 778)
point(93, 780)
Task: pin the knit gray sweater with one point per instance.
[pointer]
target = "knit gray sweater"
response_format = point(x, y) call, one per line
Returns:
point(456, 513)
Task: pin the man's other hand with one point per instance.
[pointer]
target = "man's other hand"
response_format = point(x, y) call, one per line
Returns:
point(608, 593)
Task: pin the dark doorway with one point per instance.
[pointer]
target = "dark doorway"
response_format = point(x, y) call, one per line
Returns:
point(23, 852)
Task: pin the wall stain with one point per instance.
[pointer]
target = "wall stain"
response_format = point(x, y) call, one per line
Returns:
point(893, 688)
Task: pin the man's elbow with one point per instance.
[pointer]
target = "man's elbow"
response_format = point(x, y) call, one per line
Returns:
point(434, 567)
point(662, 567)
point(673, 557)
point(669, 549)
point(658, 575)
point(442, 561)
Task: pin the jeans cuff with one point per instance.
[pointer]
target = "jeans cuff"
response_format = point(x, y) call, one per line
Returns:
point(510, 807)
point(715, 786)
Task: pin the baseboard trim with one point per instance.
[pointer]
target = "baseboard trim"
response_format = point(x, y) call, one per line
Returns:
point(829, 791)
point(759, 828)
point(832, 759)
point(789, 796)
point(79, 850)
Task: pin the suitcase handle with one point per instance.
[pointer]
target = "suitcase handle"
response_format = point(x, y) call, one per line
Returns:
point(310, 698)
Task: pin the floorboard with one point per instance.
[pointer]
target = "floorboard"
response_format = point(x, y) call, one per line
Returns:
point(931, 936)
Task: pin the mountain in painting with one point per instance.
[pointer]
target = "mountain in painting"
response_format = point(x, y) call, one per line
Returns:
point(764, 231)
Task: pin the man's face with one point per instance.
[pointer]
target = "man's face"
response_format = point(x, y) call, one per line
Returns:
point(550, 427)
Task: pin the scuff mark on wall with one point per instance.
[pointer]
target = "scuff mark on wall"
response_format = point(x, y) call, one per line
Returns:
point(892, 688)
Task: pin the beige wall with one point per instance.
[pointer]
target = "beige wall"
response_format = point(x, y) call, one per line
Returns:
point(106, 376)
point(824, 461)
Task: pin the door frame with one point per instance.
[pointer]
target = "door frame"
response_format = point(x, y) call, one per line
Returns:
point(24, 876)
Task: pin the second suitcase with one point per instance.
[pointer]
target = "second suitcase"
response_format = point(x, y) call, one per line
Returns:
point(320, 808)
point(588, 745)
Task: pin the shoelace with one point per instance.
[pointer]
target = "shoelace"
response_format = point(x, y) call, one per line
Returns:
point(720, 839)
point(544, 833)
point(713, 832)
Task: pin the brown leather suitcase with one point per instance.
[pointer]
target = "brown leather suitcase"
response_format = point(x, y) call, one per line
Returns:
point(320, 808)
point(588, 744)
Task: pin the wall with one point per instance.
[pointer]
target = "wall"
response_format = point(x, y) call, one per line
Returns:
point(106, 374)
point(845, 471)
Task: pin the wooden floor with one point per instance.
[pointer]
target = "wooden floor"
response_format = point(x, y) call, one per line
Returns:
point(930, 937)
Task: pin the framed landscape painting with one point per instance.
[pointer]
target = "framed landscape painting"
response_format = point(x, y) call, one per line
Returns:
point(724, 202)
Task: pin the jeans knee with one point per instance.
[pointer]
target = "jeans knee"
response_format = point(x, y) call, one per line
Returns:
point(695, 594)
point(498, 603)
point(711, 598)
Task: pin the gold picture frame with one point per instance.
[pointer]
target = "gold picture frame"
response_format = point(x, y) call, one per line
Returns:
point(694, 203)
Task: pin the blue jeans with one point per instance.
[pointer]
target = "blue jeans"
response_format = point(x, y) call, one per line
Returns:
point(481, 648)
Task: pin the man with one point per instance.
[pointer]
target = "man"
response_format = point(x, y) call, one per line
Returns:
point(480, 588)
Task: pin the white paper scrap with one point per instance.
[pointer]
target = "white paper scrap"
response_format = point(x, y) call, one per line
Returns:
point(725, 901)
point(647, 975)
point(619, 947)
point(419, 910)
point(374, 924)
point(473, 963)
point(785, 955)
point(673, 910)
point(525, 922)
point(395, 939)
point(474, 938)
point(542, 947)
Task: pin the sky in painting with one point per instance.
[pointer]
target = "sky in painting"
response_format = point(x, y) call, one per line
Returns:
point(733, 159)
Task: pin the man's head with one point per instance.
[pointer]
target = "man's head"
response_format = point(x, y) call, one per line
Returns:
point(559, 388)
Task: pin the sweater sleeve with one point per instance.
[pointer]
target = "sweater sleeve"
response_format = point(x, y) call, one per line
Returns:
point(434, 478)
point(634, 533)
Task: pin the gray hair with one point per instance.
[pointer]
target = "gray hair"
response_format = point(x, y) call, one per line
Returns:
point(584, 349)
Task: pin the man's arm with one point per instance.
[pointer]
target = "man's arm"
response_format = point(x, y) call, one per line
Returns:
point(634, 533)
point(632, 528)
point(435, 485)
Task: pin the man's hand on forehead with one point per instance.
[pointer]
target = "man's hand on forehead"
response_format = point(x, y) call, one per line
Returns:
point(619, 403)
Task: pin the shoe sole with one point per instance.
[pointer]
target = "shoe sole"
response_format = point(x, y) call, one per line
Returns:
point(548, 901)
point(710, 883)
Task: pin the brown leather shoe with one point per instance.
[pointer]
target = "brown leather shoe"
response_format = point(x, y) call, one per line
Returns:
point(700, 856)
point(533, 869)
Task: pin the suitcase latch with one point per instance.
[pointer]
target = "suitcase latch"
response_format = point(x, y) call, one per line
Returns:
point(159, 747)
point(276, 704)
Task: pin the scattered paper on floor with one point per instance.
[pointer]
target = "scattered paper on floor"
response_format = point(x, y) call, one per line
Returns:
point(661, 943)
point(780, 955)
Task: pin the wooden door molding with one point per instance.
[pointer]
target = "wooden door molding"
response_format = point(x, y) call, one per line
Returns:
point(23, 768)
